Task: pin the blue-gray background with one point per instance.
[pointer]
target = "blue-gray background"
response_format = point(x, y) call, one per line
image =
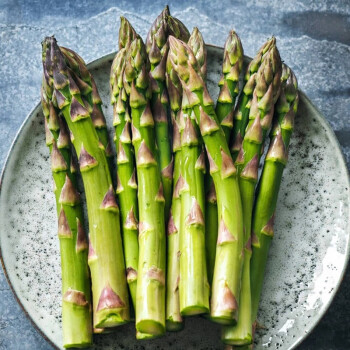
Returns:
point(313, 38)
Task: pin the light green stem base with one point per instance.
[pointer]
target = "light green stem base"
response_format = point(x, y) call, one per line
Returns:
point(75, 332)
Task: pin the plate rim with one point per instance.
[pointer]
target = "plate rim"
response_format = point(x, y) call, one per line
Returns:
point(105, 58)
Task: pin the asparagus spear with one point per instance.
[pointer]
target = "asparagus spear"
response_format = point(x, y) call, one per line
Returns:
point(126, 175)
point(232, 65)
point(265, 94)
point(211, 210)
point(76, 300)
point(128, 189)
point(173, 316)
point(228, 263)
point(269, 184)
point(241, 113)
point(106, 261)
point(157, 48)
point(231, 69)
point(150, 293)
point(193, 284)
point(90, 93)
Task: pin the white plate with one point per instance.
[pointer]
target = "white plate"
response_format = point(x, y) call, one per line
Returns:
point(307, 259)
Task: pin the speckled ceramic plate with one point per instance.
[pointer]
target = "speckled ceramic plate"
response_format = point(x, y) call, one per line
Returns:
point(307, 258)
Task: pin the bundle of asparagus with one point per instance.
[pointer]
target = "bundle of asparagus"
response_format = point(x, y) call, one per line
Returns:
point(199, 185)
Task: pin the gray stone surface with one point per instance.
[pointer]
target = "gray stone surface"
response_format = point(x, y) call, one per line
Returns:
point(313, 38)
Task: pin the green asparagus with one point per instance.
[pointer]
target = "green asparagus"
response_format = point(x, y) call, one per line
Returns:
point(228, 264)
point(126, 174)
point(174, 321)
point(105, 258)
point(193, 284)
point(168, 132)
point(265, 94)
point(150, 293)
point(232, 66)
point(76, 300)
point(269, 184)
point(127, 194)
point(126, 170)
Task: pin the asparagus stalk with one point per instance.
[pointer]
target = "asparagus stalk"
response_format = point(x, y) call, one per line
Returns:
point(211, 211)
point(265, 94)
point(106, 261)
point(157, 48)
point(241, 112)
point(76, 300)
point(173, 315)
point(270, 181)
point(150, 293)
point(90, 94)
point(232, 65)
point(174, 321)
point(126, 175)
point(193, 284)
point(228, 263)
point(128, 189)
point(229, 83)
